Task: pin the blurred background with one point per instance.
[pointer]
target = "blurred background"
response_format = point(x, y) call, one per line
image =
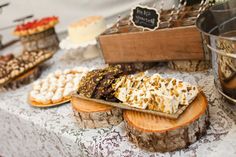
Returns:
point(67, 11)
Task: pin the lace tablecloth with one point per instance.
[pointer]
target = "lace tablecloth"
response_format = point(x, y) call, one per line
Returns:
point(33, 132)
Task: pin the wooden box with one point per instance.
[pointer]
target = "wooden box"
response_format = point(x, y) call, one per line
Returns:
point(179, 43)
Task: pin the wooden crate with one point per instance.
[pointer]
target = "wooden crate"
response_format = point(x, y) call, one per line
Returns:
point(180, 43)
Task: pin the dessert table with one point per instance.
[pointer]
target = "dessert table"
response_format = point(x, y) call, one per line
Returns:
point(26, 131)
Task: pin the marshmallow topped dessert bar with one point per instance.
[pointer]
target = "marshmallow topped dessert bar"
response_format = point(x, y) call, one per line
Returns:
point(86, 29)
point(154, 92)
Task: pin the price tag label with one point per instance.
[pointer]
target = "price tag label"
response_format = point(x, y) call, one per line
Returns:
point(145, 17)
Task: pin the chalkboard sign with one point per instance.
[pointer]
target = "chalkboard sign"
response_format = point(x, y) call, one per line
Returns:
point(145, 17)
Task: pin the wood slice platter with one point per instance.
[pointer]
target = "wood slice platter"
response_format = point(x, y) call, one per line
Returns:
point(40, 105)
point(126, 107)
point(47, 39)
point(160, 134)
point(91, 114)
point(23, 79)
point(189, 65)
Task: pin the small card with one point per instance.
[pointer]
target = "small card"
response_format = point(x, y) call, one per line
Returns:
point(145, 17)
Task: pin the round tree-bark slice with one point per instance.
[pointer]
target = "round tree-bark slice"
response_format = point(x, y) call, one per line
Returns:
point(189, 65)
point(47, 39)
point(155, 133)
point(95, 115)
point(25, 78)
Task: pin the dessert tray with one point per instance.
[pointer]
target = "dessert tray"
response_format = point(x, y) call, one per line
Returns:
point(113, 86)
point(22, 67)
point(56, 88)
point(36, 26)
point(126, 107)
point(40, 105)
